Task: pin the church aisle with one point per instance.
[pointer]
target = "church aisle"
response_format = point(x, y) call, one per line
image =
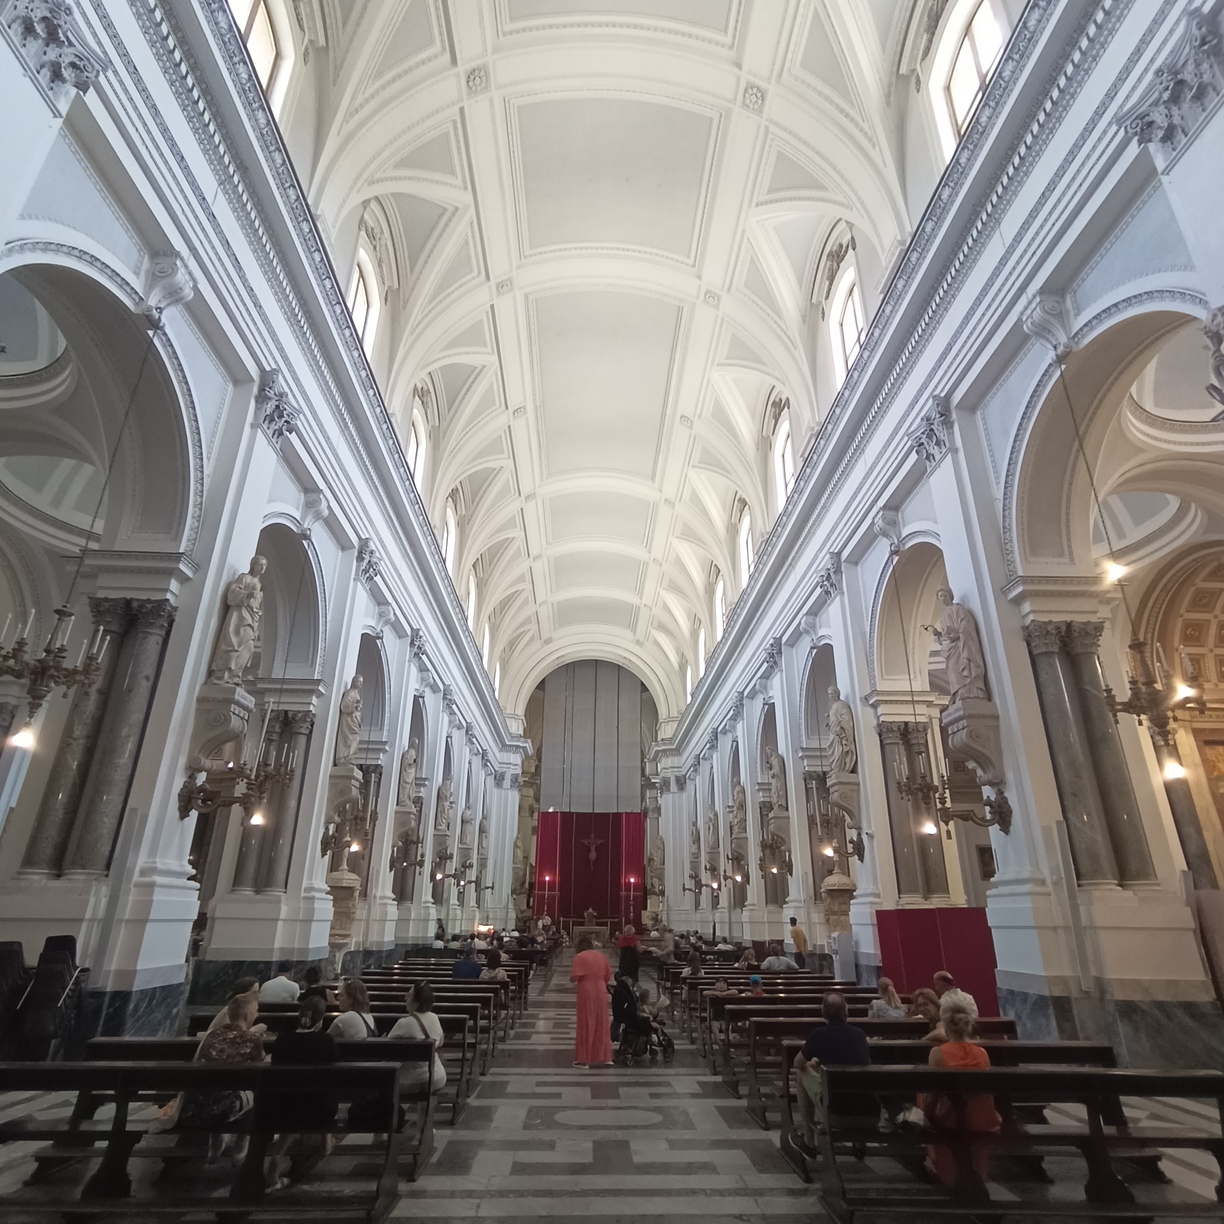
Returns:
point(543, 1138)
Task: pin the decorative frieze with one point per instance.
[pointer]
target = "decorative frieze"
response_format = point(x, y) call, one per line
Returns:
point(829, 580)
point(49, 38)
point(369, 563)
point(933, 436)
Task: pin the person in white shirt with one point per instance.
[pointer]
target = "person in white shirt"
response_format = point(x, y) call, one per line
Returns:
point(421, 1024)
point(282, 988)
point(946, 988)
point(775, 962)
point(354, 1023)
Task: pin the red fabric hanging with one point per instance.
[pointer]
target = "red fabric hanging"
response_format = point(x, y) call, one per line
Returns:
point(568, 882)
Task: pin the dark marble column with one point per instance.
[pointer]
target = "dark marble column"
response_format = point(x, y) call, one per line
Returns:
point(127, 708)
point(1122, 817)
point(930, 848)
point(298, 725)
point(1070, 754)
point(907, 857)
point(1186, 819)
point(58, 808)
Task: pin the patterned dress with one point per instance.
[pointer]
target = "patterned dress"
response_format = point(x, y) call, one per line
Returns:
point(227, 1044)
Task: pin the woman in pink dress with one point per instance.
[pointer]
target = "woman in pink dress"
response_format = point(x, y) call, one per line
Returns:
point(592, 973)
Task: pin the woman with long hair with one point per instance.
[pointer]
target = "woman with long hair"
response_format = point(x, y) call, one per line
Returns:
point(888, 1005)
point(591, 973)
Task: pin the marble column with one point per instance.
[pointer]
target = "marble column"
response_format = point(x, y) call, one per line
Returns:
point(1122, 818)
point(127, 709)
point(1186, 818)
point(61, 799)
point(930, 846)
point(1083, 809)
point(907, 856)
point(297, 727)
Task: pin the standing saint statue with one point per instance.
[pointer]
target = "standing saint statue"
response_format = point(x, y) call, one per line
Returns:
point(712, 832)
point(465, 826)
point(777, 780)
point(519, 870)
point(482, 840)
point(442, 819)
point(655, 864)
point(407, 777)
point(348, 732)
point(240, 628)
point(739, 811)
point(840, 721)
point(695, 841)
point(961, 647)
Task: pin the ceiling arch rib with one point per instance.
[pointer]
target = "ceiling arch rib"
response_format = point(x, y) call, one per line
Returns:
point(605, 263)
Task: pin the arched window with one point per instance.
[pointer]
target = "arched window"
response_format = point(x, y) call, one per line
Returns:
point(363, 300)
point(847, 322)
point(471, 600)
point(484, 645)
point(701, 651)
point(688, 683)
point(450, 533)
point(720, 606)
point(417, 441)
point(783, 461)
point(497, 680)
point(981, 47)
point(255, 24)
point(746, 555)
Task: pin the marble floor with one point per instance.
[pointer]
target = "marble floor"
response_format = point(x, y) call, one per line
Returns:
point(657, 1144)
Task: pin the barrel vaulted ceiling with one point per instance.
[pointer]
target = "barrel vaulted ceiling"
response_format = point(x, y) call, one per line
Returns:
point(600, 225)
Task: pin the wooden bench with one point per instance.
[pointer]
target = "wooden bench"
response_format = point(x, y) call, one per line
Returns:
point(115, 1140)
point(396, 987)
point(852, 1188)
point(712, 1007)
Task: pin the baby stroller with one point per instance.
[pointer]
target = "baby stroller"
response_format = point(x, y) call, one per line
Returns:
point(642, 1035)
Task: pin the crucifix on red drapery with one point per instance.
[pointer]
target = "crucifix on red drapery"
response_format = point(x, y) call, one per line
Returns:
point(591, 861)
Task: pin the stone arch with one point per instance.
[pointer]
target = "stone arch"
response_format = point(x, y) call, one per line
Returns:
point(821, 673)
point(904, 605)
point(293, 622)
point(372, 667)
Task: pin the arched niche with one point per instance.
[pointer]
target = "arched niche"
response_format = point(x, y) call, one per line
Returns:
point(417, 727)
point(767, 739)
point(371, 667)
point(292, 629)
point(97, 429)
point(735, 765)
point(904, 647)
point(821, 674)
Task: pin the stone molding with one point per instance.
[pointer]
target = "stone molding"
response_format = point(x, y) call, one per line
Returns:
point(170, 284)
point(829, 580)
point(275, 411)
point(1045, 319)
point(933, 437)
point(47, 35)
point(369, 563)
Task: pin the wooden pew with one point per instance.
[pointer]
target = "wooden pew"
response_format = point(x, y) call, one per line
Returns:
point(115, 1140)
point(1098, 1140)
point(501, 1009)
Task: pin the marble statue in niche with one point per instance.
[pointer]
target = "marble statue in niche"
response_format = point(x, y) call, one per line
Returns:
point(712, 832)
point(442, 819)
point(739, 811)
point(961, 647)
point(519, 872)
point(840, 722)
point(348, 731)
point(407, 776)
point(482, 840)
point(777, 780)
point(695, 841)
point(240, 628)
point(465, 826)
point(655, 864)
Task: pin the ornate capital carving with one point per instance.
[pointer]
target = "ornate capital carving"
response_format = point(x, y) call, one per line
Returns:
point(835, 257)
point(152, 615)
point(501, 778)
point(934, 433)
point(1044, 637)
point(299, 722)
point(829, 580)
point(50, 40)
point(369, 563)
point(1213, 329)
point(772, 660)
point(1182, 91)
point(110, 614)
point(1045, 319)
point(275, 411)
point(1083, 637)
point(170, 284)
point(678, 782)
point(417, 643)
point(892, 732)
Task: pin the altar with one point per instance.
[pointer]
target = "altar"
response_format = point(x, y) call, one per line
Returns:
point(599, 933)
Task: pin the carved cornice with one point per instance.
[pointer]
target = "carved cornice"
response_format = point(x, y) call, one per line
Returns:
point(49, 38)
point(933, 436)
point(275, 410)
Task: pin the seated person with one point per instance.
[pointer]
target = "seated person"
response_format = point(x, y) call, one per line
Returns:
point(293, 1154)
point(748, 960)
point(493, 972)
point(945, 985)
point(755, 989)
point(243, 986)
point(776, 962)
point(354, 1023)
point(235, 1041)
point(624, 1003)
point(312, 986)
point(888, 1006)
point(959, 1023)
point(832, 1044)
point(925, 1006)
point(694, 967)
point(467, 967)
point(421, 1023)
point(723, 990)
point(281, 988)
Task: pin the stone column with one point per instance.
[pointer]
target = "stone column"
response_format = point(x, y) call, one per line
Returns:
point(1186, 818)
point(1083, 810)
point(127, 708)
point(298, 725)
point(1122, 818)
point(907, 856)
point(930, 848)
point(61, 799)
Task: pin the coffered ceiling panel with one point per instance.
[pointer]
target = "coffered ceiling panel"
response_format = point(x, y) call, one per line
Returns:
point(605, 361)
point(613, 172)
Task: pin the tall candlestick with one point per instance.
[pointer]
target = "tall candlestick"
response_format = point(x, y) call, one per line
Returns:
point(8, 620)
point(25, 633)
point(81, 656)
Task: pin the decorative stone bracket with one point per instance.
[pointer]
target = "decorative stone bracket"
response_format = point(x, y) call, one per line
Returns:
point(972, 725)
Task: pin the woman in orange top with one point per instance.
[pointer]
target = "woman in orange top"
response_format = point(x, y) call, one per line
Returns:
point(980, 1117)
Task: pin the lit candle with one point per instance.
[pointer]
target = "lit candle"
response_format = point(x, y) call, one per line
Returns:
point(8, 620)
point(1160, 657)
point(95, 642)
point(102, 650)
point(25, 633)
point(81, 656)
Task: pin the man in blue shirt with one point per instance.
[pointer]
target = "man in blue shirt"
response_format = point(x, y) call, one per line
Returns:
point(467, 967)
point(833, 1044)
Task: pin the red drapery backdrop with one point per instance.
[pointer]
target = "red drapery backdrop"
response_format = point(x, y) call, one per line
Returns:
point(568, 882)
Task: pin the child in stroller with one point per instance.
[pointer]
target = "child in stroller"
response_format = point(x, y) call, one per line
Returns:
point(642, 1032)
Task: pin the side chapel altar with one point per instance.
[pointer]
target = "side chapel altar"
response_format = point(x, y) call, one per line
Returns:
point(590, 870)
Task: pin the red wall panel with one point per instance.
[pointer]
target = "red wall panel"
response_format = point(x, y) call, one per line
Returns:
point(916, 943)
